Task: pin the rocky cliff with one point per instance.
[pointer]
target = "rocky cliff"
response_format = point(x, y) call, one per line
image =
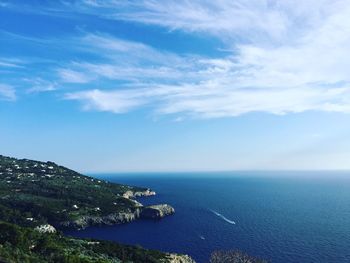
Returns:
point(147, 212)
point(157, 211)
point(134, 194)
point(111, 219)
point(176, 258)
point(34, 193)
point(38, 197)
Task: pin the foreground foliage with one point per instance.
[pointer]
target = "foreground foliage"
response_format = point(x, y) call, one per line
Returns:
point(25, 245)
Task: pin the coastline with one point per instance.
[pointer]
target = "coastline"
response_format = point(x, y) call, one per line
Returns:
point(156, 211)
point(37, 199)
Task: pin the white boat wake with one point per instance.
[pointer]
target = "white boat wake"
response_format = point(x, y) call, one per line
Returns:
point(224, 218)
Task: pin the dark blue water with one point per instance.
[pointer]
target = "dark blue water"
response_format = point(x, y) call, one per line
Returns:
point(285, 217)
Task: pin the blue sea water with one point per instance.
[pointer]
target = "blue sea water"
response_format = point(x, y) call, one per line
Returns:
point(279, 216)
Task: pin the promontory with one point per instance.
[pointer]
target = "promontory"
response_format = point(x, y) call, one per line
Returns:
point(38, 199)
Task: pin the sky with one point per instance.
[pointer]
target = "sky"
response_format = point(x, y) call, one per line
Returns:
point(176, 85)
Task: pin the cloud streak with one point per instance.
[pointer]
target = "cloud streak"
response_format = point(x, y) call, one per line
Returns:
point(280, 58)
point(275, 65)
point(71, 76)
point(236, 20)
point(39, 85)
point(7, 92)
point(211, 100)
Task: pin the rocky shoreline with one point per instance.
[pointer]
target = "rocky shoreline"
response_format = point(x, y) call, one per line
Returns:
point(154, 212)
point(39, 198)
point(133, 194)
point(177, 258)
point(141, 212)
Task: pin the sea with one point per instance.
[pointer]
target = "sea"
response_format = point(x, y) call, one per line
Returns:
point(276, 216)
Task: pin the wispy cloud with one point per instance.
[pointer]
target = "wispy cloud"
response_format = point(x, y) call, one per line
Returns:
point(280, 58)
point(40, 85)
point(7, 92)
point(129, 61)
point(116, 102)
point(230, 20)
point(212, 100)
point(285, 57)
point(71, 76)
point(10, 63)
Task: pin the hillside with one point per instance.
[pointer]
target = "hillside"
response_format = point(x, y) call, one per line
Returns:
point(23, 244)
point(36, 198)
point(34, 193)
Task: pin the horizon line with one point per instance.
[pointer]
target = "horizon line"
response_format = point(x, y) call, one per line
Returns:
point(212, 171)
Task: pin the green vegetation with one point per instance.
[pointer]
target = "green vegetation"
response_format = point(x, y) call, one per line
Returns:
point(23, 244)
point(34, 193)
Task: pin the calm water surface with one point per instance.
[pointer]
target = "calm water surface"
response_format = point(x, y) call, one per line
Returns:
point(282, 217)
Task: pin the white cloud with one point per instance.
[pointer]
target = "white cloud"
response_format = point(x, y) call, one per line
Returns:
point(280, 57)
point(129, 61)
point(10, 63)
point(116, 102)
point(211, 100)
point(40, 85)
point(227, 19)
point(71, 76)
point(7, 92)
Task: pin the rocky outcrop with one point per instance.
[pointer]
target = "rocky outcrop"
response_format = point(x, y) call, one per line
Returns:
point(111, 219)
point(148, 212)
point(176, 258)
point(148, 192)
point(157, 211)
point(45, 229)
point(133, 194)
point(136, 203)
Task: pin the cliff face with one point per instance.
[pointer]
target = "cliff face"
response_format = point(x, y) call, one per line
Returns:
point(176, 258)
point(34, 193)
point(39, 196)
point(157, 211)
point(111, 219)
point(148, 212)
point(45, 229)
point(134, 194)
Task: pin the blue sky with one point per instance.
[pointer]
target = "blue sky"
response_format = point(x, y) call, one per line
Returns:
point(104, 86)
